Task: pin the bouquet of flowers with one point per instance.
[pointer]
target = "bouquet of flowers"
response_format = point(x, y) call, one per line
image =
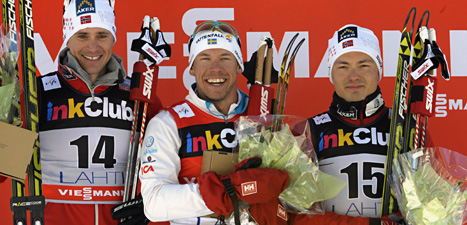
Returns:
point(429, 186)
point(284, 142)
point(9, 84)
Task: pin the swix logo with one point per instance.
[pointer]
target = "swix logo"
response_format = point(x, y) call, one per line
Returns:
point(281, 213)
point(152, 52)
point(148, 79)
point(146, 169)
point(264, 103)
point(249, 188)
point(423, 69)
point(210, 141)
point(429, 95)
point(105, 109)
point(358, 136)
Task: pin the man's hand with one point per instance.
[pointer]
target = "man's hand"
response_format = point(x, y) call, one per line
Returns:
point(132, 212)
point(248, 183)
point(391, 219)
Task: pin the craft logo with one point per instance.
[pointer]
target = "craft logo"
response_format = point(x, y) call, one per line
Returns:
point(348, 43)
point(67, 24)
point(380, 62)
point(349, 32)
point(359, 136)
point(85, 19)
point(249, 188)
point(85, 6)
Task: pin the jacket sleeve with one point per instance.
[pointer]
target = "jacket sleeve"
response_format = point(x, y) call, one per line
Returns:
point(163, 196)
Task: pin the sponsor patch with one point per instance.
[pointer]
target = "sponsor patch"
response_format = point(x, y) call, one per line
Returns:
point(125, 85)
point(323, 118)
point(51, 82)
point(150, 151)
point(146, 169)
point(348, 32)
point(374, 105)
point(150, 141)
point(184, 110)
point(85, 6)
point(281, 213)
point(249, 188)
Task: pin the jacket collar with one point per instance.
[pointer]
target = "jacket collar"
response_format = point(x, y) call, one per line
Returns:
point(371, 105)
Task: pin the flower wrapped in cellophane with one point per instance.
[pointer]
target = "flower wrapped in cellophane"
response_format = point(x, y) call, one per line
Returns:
point(10, 89)
point(284, 142)
point(429, 185)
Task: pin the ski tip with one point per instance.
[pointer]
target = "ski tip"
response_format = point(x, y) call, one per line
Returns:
point(262, 41)
point(270, 42)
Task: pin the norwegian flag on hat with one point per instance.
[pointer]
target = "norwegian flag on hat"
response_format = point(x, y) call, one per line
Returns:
point(85, 19)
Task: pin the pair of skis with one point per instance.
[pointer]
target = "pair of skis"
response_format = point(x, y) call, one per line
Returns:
point(20, 201)
point(413, 99)
point(261, 93)
point(283, 81)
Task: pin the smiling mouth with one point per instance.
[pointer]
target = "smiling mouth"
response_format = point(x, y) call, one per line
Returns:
point(91, 57)
point(216, 81)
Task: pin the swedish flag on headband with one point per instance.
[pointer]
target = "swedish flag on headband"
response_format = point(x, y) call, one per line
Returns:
point(212, 41)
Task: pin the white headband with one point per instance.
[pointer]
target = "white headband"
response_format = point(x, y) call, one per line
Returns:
point(208, 39)
point(352, 38)
point(81, 14)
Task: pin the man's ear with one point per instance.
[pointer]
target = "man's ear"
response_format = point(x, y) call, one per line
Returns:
point(191, 71)
point(239, 69)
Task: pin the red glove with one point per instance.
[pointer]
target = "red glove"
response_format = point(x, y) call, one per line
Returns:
point(269, 213)
point(251, 185)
